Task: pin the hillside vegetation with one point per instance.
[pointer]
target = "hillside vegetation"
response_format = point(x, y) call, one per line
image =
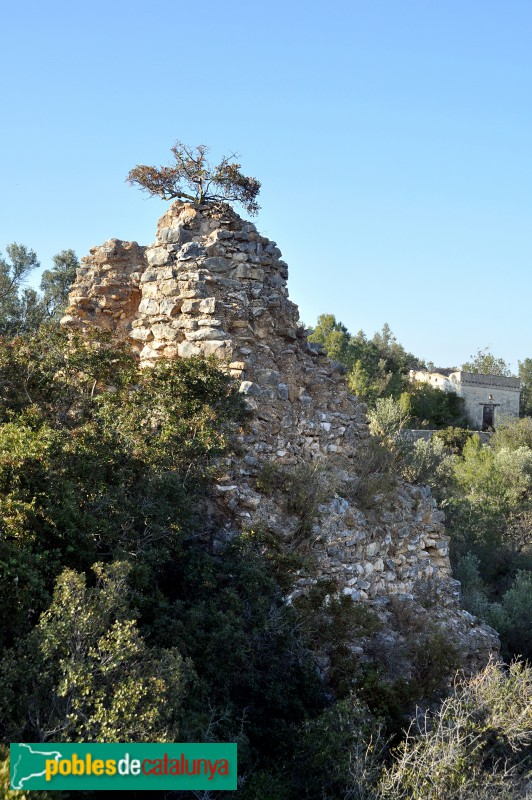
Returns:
point(485, 489)
point(122, 623)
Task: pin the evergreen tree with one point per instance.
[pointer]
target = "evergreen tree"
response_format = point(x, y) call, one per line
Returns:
point(56, 283)
point(19, 306)
point(485, 363)
point(525, 375)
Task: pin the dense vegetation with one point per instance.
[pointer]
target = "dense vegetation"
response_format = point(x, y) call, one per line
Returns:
point(123, 621)
point(486, 490)
point(378, 367)
point(23, 309)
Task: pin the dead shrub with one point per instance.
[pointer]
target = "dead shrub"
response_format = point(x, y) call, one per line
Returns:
point(302, 489)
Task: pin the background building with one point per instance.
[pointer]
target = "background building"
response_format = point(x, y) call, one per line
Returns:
point(488, 398)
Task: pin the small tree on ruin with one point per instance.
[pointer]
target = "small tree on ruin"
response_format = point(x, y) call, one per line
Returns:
point(192, 177)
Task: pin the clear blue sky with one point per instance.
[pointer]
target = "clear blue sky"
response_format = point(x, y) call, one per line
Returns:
point(392, 139)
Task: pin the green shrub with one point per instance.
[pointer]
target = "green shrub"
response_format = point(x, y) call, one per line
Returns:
point(86, 674)
point(425, 461)
point(473, 588)
point(388, 698)
point(475, 472)
point(339, 754)
point(513, 433)
point(513, 621)
point(453, 438)
point(88, 474)
point(331, 622)
point(435, 658)
point(387, 419)
point(509, 615)
point(501, 477)
point(418, 461)
point(514, 472)
point(430, 407)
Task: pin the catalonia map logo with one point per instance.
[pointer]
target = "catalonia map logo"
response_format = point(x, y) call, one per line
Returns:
point(38, 766)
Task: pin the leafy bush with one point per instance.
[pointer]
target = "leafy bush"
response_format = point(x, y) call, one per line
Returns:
point(454, 438)
point(387, 419)
point(513, 619)
point(509, 614)
point(513, 434)
point(430, 407)
point(337, 757)
point(425, 461)
point(331, 622)
point(435, 658)
point(501, 477)
point(478, 528)
point(473, 588)
point(90, 474)
point(339, 754)
point(86, 674)
point(418, 461)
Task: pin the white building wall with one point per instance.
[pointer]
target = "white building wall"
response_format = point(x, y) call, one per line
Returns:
point(476, 391)
point(476, 394)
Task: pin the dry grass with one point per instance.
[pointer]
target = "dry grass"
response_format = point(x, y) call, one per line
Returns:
point(474, 747)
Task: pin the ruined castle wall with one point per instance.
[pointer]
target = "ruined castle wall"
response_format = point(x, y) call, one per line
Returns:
point(106, 293)
point(211, 285)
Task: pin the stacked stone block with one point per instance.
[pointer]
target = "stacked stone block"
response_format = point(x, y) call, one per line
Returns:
point(212, 285)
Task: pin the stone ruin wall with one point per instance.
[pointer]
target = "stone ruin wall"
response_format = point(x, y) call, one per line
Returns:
point(212, 285)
